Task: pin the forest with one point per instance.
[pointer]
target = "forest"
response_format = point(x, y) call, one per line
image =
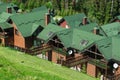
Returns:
point(100, 11)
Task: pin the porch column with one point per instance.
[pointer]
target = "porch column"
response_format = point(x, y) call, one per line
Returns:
point(49, 55)
point(2, 41)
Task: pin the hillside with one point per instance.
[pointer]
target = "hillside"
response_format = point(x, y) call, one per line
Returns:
point(15, 65)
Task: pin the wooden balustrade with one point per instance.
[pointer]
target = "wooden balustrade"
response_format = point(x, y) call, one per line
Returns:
point(114, 77)
point(34, 51)
point(75, 61)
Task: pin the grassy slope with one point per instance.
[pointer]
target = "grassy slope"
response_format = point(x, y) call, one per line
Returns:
point(15, 65)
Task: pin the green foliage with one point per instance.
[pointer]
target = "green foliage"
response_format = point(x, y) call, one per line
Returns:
point(101, 11)
point(49, 5)
point(83, 68)
point(16, 65)
point(22, 6)
point(14, 1)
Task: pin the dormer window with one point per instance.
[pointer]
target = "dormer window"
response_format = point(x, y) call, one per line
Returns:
point(50, 33)
point(84, 42)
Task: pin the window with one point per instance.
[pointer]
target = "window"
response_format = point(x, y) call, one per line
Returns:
point(37, 43)
point(84, 42)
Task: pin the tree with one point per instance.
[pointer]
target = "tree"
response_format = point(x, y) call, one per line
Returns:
point(22, 6)
point(30, 4)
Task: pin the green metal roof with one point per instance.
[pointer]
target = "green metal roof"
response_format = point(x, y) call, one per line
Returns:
point(75, 20)
point(24, 22)
point(5, 25)
point(109, 47)
point(49, 32)
point(118, 17)
point(4, 17)
point(3, 7)
point(74, 38)
point(77, 39)
point(88, 27)
point(28, 31)
point(39, 8)
point(111, 29)
point(65, 37)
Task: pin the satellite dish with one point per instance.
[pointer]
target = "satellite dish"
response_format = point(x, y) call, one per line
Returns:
point(70, 52)
point(115, 65)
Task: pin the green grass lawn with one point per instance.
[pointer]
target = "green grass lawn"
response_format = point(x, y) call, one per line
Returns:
point(15, 65)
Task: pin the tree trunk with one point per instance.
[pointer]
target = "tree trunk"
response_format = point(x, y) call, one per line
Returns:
point(66, 4)
point(74, 3)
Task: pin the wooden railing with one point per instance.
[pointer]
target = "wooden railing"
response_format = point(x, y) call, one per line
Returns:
point(19, 48)
point(34, 51)
point(98, 63)
point(41, 49)
point(2, 34)
point(61, 51)
point(69, 62)
point(75, 61)
point(114, 77)
point(78, 60)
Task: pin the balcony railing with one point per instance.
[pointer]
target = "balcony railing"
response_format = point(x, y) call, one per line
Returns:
point(98, 63)
point(69, 62)
point(114, 77)
point(2, 34)
point(38, 49)
point(78, 60)
point(75, 61)
point(59, 50)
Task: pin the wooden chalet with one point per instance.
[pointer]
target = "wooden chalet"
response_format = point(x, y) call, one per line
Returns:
point(79, 43)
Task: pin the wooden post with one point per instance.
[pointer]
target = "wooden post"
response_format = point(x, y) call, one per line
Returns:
point(106, 72)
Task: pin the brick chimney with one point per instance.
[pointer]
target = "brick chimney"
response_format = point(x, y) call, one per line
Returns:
point(47, 18)
point(84, 21)
point(49, 11)
point(9, 10)
point(96, 30)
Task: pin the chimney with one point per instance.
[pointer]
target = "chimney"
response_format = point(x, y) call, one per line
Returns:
point(9, 10)
point(96, 30)
point(47, 19)
point(49, 11)
point(84, 21)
